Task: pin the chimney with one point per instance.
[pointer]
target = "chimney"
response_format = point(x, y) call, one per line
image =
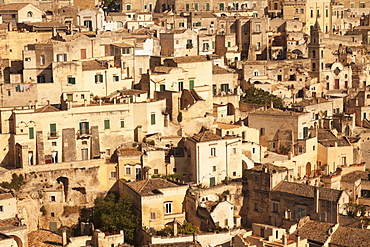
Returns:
point(316, 199)
point(284, 240)
point(174, 227)
point(64, 238)
point(297, 240)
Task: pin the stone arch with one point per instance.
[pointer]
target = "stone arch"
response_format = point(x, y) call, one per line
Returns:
point(298, 52)
point(65, 182)
point(244, 166)
point(308, 169)
point(18, 241)
point(230, 109)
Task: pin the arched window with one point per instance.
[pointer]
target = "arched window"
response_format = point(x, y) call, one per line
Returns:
point(313, 66)
point(119, 24)
point(313, 54)
point(29, 14)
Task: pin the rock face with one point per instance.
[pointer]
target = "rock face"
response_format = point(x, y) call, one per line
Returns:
point(51, 199)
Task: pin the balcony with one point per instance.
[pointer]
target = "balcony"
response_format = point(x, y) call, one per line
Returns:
point(53, 135)
point(83, 133)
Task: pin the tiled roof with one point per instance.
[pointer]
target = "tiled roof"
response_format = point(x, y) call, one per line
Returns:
point(350, 237)
point(307, 102)
point(44, 238)
point(47, 108)
point(5, 195)
point(218, 70)
point(308, 191)
point(92, 65)
point(353, 176)
point(315, 231)
point(190, 59)
point(151, 186)
point(177, 31)
point(227, 126)
point(130, 151)
point(270, 168)
point(13, 6)
point(276, 112)
point(180, 244)
point(123, 44)
point(328, 139)
point(162, 69)
point(205, 136)
point(9, 222)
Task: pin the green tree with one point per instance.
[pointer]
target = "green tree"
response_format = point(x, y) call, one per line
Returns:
point(113, 214)
point(355, 210)
point(260, 97)
point(15, 184)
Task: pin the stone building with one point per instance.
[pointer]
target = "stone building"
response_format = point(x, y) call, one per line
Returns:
point(156, 201)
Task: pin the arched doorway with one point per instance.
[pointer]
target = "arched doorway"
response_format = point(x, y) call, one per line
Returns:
point(230, 109)
point(17, 241)
point(308, 169)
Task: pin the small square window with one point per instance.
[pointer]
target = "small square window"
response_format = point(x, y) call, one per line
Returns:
point(128, 170)
point(214, 168)
point(155, 171)
point(52, 199)
point(115, 78)
point(153, 216)
point(113, 174)
point(52, 214)
point(54, 144)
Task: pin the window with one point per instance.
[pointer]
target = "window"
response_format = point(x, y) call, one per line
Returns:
point(84, 128)
point(195, 6)
point(275, 207)
point(187, 7)
point(326, 12)
point(113, 174)
point(98, 78)
point(155, 171)
point(214, 168)
point(1, 209)
point(234, 174)
point(253, 150)
point(207, 7)
point(115, 78)
point(191, 84)
point(362, 5)
point(234, 150)
point(181, 86)
point(352, 5)
point(222, 6)
point(122, 123)
point(152, 118)
point(27, 59)
point(52, 214)
point(29, 14)
point(31, 133)
point(311, 13)
point(41, 79)
point(71, 80)
point(128, 170)
point(106, 124)
point(181, 24)
point(213, 152)
point(168, 207)
point(61, 57)
point(42, 60)
point(53, 130)
point(153, 216)
point(13, 16)
point(54, 144)
point(262, 131)
point(128, 7)
point(258, 28)
point(301, 212)
point(162, 88)
point(52, 199)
